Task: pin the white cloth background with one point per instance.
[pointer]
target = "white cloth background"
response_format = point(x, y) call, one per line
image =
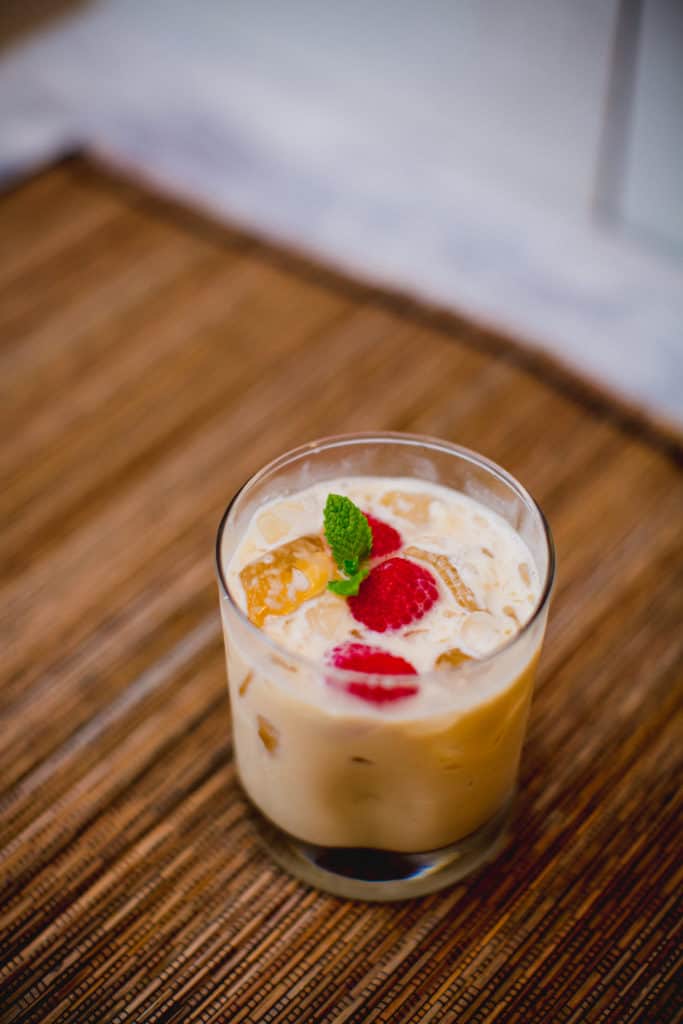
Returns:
point(363, 148)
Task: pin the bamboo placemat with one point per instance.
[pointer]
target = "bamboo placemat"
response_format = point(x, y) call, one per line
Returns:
point(150, 362)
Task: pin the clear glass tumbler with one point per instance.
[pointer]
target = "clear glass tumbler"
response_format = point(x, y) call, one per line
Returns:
point(381, 802)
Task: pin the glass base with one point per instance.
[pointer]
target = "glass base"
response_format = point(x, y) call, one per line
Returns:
point(366, 874)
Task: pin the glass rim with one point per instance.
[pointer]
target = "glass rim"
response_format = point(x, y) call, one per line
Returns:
point(409, 440)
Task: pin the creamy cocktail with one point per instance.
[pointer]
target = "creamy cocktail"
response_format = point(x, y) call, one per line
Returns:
point(380, 662)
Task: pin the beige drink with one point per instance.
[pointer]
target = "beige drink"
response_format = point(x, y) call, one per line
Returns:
point(391, 719)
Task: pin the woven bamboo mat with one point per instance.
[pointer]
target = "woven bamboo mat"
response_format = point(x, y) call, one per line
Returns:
point(150, 362)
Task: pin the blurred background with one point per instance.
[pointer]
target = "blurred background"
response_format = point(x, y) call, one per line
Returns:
point(518, 162)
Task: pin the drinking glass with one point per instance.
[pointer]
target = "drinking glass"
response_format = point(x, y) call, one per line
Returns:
point(381, 802)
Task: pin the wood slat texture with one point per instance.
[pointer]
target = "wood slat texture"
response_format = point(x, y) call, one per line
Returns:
point(148, 363)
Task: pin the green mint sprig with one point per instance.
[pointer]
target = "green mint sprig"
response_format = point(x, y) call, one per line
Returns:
point(349, 587)
point(350, 538)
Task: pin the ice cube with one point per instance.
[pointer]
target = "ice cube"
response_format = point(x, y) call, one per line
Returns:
point(275, 523)
point(280, 581)
point(407, 505)
point(511, 613)
point(525, 575)
point(268, 734)
point(283, 664)
point(450, 576)
point(451, 658)
point(328, 616)
point(244, 685)
point(481, 632)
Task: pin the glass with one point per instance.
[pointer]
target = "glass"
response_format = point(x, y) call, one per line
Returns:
point(372, 802)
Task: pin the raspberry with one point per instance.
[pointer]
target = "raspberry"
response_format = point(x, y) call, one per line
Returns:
point(385, 538)
point(396, 593)
point(362, 658)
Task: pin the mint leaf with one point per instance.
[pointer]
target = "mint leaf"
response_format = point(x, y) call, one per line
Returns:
point(348, 588)
point(347, 531)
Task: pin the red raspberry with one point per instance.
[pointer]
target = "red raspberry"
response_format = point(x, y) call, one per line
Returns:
point(362, 658)
point(385, 538)
point(396, 593)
